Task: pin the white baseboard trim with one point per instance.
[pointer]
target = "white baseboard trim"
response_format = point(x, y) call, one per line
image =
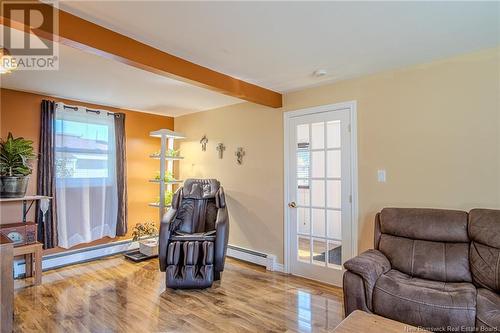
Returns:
point(262, 259)
point(279, 267)
point(57, 260)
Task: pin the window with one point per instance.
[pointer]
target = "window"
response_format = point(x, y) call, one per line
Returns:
point(84, 148)
point(86, 183)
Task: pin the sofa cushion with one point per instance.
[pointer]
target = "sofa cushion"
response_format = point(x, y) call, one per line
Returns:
point(484, 230)
point(429, 304)
point(485, 266)
point(437, 225)
point(488, 310)
point(484, 227)
point(440, 261)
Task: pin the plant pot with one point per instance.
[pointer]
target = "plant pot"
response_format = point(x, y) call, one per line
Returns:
point(149, 247)
point(13, 187)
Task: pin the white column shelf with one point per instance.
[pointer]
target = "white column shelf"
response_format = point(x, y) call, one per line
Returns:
point(167, 138)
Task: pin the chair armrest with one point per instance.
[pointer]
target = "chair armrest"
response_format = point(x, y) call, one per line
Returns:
point(221, 238)
point(164, 237)
point(369, 265)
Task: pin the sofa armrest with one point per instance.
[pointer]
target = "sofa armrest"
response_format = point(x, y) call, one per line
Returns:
point(354, 293)
point(221, 239)
point(164, 237)
point(369, 265)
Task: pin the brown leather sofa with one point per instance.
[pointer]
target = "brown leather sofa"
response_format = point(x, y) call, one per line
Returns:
point(194, 234)
point(436, 269)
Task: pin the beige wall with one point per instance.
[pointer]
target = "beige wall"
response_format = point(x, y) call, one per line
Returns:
point(254, 189)
point(435, 128)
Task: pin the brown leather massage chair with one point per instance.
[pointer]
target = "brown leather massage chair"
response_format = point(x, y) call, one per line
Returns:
point(194, 234)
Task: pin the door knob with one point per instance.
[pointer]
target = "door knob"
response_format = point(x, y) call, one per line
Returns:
point(292, 204)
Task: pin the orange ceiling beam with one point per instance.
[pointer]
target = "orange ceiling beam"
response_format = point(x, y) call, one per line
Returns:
point(87, 36)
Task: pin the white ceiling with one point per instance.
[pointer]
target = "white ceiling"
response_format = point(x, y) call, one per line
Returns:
point(272, 44)
point(87, 77)
point(279, 44)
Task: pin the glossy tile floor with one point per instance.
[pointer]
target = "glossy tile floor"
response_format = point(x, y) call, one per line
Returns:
point(116, 295)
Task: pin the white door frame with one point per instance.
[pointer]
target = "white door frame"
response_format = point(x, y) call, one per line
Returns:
point(287, 116)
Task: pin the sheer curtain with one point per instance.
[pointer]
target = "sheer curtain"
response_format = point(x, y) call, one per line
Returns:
point(86, 182)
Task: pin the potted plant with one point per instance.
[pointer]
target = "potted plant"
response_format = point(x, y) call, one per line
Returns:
point(146, 233)
point(169, 196)
point(16, 155)
point(168, 153)
point(169, 177)
point(172, 153)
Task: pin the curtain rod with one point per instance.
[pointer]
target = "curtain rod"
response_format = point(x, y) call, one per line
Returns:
point(75, 108)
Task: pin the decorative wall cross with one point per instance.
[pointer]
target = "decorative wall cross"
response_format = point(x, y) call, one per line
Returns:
point(204, 142)
point(220, 148)
point(239, 155)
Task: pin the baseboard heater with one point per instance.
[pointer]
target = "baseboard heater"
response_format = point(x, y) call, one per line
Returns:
point(57, 260)
point(263, 259)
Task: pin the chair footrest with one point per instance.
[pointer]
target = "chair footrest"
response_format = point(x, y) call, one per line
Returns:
point(189, 277)
point(190, 264)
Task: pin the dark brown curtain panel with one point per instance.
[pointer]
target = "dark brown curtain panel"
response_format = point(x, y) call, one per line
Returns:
point(46, 178)
point(121, 174)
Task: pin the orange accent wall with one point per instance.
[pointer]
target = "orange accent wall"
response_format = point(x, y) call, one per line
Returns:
point(20, 114)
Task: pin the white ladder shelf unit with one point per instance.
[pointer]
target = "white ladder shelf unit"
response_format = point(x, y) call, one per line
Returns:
point(167, 138)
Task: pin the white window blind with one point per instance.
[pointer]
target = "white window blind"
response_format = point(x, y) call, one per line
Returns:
point(303, 161)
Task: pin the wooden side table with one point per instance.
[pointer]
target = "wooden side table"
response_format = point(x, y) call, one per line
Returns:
point(33, 256)
point(360, 321)
point(6, 284)
point(32, 252)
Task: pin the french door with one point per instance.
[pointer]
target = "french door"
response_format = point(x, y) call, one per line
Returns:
point(320, 193)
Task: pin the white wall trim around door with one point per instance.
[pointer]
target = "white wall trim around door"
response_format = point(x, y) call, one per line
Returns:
point(287, 116)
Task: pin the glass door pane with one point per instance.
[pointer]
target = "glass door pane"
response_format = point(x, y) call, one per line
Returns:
point(318, 161)
point(319, 250)
point(304, 249)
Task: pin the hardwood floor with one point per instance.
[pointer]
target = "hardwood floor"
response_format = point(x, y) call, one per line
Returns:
point(115, 295)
